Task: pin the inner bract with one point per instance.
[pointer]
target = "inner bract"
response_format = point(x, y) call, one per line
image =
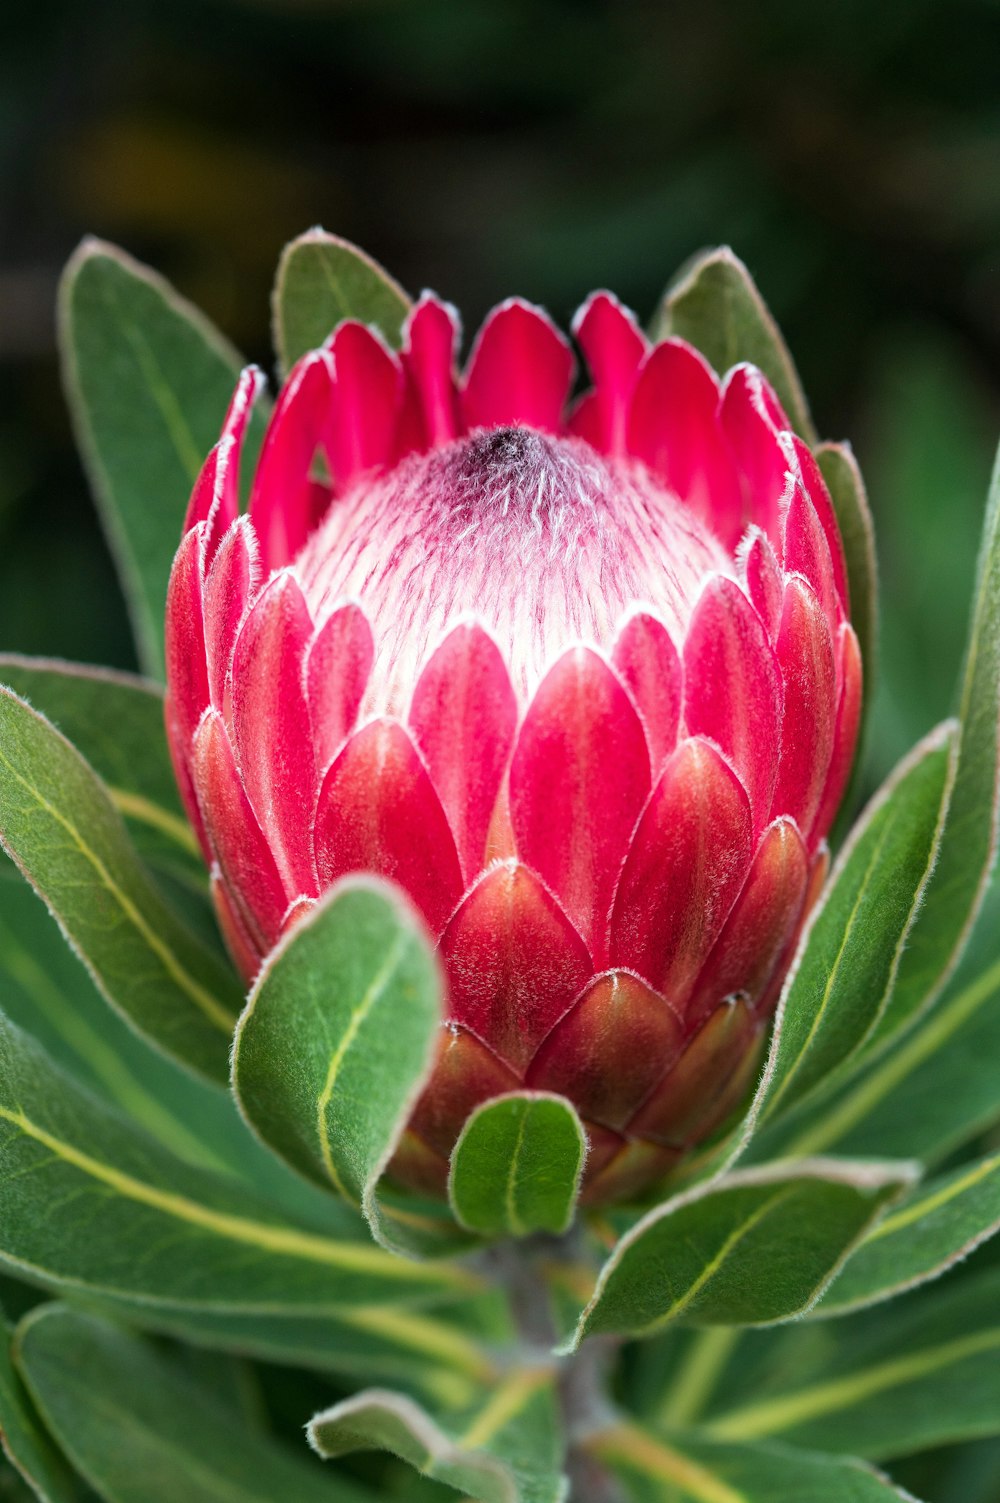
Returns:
point(542, 539)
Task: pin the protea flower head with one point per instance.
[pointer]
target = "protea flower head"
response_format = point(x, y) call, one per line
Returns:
point(578, 676)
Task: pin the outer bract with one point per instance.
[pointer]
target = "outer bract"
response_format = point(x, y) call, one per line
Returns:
point(578, 676)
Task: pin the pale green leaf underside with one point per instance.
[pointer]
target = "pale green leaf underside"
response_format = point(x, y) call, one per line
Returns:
point(505, 1449)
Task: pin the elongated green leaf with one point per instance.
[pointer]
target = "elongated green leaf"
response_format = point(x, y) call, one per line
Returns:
point(88, 1202)
point(844, 976)
point(516, 1167)
point(758, 1246)
point(442, 1354)
point(921, 1372)
point(116, 721)
point(969, 842)
point(934, 1090)
point(507, 1449)
point(338, 1037)
point(714, 304)
point(321, 281)
point(936, 1226)
point(692, 1470)
point(141, 1430)
point(148, 382)
point(26, 1444)
point(59, 825)
point(45, 990)
point(840, 470)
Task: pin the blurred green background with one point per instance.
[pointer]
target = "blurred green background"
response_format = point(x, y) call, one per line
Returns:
point(850, 153)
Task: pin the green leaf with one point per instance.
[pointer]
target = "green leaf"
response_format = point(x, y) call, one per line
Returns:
point(25, 1441)
point(116, 721)
point(148, 381)
point(89, 1202)
point(690, 1469)
point(714, 304)
point(758, 1246)
point(338, 1037)
point(141, 1430)
point(969, 843)
point(45, 990)
point(516, 1166)
point(59, 825)
point(840, 470)
point(921, 1372)
point(935, 1227)
point(321, 281)
point(443, 1354)
point(843, 978)
point(937, 1087)
point(508, 1449)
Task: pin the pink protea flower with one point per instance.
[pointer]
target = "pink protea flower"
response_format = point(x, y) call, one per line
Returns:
point(579, 677)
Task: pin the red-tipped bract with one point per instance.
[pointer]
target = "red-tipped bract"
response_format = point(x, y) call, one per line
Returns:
point(579, 676)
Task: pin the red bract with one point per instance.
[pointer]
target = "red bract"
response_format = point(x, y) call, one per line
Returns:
point(578, 676)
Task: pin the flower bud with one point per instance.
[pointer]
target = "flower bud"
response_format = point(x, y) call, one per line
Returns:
point(578, 676)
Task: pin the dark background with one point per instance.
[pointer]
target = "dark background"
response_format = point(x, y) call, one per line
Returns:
point(850, 153)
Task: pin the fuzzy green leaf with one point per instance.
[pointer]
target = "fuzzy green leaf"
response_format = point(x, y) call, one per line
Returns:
point(936, 1088)
point(142, 1430)
point(60, 827)
point(88, 1202)
point(26, 1444)
point(840, 470)
point(443, 1354)
point(935, 1227)
point(714, 304)
point(844, 976)
point(756, 1247)
point(921, 1372)
point(338, 1037)
point(148, 381)
point(969, 843)
point(517, 1164)
point(506, 1449)
point(689, 1469)
point(116, 721)
point(45, 990)
point(321, 281)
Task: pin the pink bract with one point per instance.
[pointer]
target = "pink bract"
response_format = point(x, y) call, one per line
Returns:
point(578, 675)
